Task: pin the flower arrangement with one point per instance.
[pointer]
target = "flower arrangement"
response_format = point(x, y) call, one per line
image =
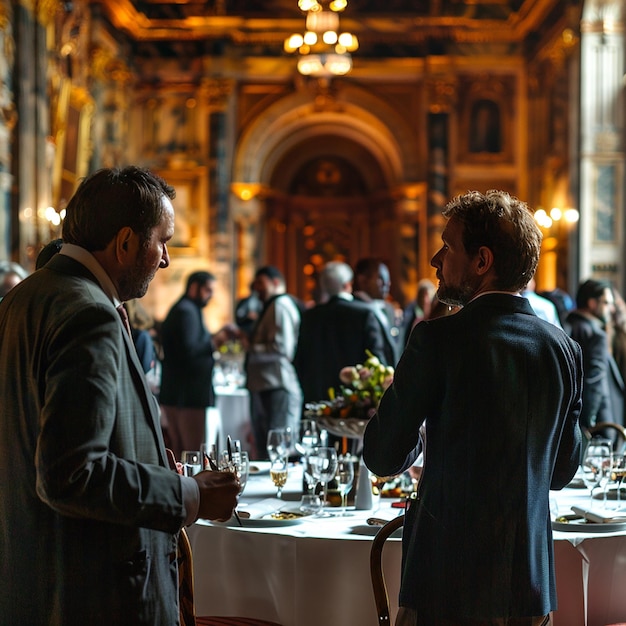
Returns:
point(363, 387)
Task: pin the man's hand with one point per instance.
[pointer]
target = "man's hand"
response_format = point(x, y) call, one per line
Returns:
point(218, 494)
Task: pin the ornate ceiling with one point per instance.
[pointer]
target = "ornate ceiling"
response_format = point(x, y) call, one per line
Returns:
point(385, 28)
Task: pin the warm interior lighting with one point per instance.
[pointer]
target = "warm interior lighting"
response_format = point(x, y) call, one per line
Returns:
point(324, 51)
point(545, 220)
point(245, 191)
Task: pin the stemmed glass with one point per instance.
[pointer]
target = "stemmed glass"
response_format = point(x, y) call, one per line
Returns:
point(596, 466)
point(324, 467)
point(344, 477)
point(308, 441)
point(278, 442)
point(278, 473)
point(309, 437)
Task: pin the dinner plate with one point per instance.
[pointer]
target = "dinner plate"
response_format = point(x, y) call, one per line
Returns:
point(583, 526)
point(266, 521)
point(258, 467)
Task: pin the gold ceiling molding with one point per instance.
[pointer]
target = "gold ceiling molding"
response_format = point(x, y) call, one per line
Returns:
point(390, 28)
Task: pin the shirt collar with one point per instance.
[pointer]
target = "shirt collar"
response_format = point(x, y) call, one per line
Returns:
point(89, 261)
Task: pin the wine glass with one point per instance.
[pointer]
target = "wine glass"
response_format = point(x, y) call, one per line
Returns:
point(242, 468)
point(309, 437)
point(276, 443)
point(279, 442)
point(310, 502)
point(594, 467)
point(602, 449)
point(325, 467)
point(344, 477)
point(278, 473)
point(192, 463)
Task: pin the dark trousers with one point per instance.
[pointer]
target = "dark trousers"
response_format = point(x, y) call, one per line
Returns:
point(268, 409)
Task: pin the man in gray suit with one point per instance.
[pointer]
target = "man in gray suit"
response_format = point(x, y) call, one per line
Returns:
point(89, 507)
point(499, 391)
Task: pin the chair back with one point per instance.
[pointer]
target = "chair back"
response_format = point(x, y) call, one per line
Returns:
point(185, 581)
point(376, 568)
point(188, 615)
point(616, 432)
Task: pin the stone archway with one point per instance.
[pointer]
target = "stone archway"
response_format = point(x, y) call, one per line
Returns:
point(296, 132)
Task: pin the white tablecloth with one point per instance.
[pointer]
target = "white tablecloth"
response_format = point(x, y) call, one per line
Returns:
point(230, 416)
point(317, 572)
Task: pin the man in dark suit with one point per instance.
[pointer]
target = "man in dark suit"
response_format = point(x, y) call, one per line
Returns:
point(603, 387)
point(187, 374)
point(335, 334)
point(499, 391)
point(372, 282)
point(89, 507)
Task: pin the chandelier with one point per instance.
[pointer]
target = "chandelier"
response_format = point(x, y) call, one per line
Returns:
point(323, 50)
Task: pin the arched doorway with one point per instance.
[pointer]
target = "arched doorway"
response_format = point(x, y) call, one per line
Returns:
point(332, 184)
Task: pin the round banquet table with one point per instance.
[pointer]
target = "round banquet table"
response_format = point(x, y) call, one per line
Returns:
point(315, 571)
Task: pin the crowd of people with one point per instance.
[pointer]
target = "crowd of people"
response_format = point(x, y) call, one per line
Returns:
point(96, 394)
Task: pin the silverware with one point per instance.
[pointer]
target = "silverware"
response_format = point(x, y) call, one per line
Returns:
point(376, 521)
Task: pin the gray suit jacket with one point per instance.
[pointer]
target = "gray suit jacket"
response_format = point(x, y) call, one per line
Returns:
point(89, 510)
point(500, 391)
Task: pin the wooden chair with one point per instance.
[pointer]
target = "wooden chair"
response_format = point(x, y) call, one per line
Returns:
point(188, 615)
point(618, 432)
point(376, 569)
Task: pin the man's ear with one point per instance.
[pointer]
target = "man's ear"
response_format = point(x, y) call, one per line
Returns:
point(484, 260)
point(123, 242)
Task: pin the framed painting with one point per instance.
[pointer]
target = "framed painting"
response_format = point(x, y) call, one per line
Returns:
point(190, 208)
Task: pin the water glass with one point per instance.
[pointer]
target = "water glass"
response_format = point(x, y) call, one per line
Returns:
point(191, 461)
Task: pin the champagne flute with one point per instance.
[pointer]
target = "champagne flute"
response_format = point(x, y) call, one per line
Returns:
point(278, 474)
point(325, 468)
point(344, 477)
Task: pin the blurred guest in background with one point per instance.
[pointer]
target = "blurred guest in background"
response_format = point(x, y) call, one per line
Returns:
point(372, 282)
point(603, 386)
point(275, 393)
point(499, 391)
point(10, 275)
point(247, 311)
point(421, 307)
point(335, 334)
point(188, 361)
point(542, 307)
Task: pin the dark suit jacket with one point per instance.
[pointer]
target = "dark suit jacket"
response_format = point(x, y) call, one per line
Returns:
point(334, 335)
point(187, 369)
point(603, 387)
point(89, 509)
point(500, 391)
point(393, 335)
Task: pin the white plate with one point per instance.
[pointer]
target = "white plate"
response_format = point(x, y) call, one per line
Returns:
point(267, 521)
point(259, 467)
point(583, 526)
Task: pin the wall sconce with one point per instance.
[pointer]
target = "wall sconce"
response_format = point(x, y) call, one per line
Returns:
point(246, 191)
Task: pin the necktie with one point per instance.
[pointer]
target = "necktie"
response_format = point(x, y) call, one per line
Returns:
point(124, 316)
